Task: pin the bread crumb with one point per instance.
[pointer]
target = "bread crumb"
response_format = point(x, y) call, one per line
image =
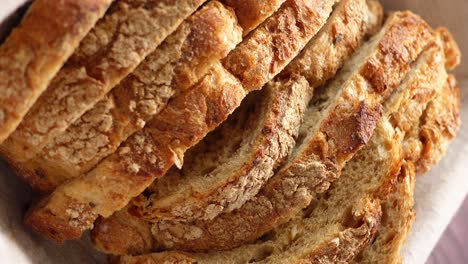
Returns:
point(134, 168)
point(124, 150)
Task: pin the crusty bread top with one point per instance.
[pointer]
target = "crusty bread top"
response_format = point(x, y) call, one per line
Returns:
point(34, 52)
point(252, 13)
point(175, 66)
point(184, 122)
point(118, 43)
point(200, 195)
point(276, 42)
point(441, 122)
point(339, 124)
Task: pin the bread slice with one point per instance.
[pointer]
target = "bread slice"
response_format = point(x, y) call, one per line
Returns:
point(397, 217)
point(175, 66)
point(118, 43)
point(231, 165)
point(222, 178)
point(35, 51)
point(267, 51)
point(397, 212)
point(147, 155)
point(340, 121)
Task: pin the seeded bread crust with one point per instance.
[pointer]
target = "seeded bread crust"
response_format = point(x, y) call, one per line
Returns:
point(175, 66)
point(36, 50)
point(119, 42)
point(148, 154)
point(335, 130)
point(319, 61)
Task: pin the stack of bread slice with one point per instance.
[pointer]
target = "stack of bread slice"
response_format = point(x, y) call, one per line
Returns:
point(192, 131)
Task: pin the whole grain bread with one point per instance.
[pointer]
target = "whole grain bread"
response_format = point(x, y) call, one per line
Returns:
point(220, 179)
point(119, 42)
point(148, 154)
point(340, 121)
point(36, 50)
point(175, 66)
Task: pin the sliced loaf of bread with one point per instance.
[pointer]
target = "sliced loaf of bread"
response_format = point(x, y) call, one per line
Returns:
point(220, 179)
point(36, 50)
point(340, 121)
point(130, 31)
point(175, 66)
point(73, 207)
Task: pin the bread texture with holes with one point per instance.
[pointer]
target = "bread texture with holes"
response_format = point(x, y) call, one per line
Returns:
point(36, 50)
point(174, 67)
point(148, 154)
point(130, 31)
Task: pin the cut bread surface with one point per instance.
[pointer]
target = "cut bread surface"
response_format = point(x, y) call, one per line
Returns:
point(175, 66)
point(323, 59)
point(148, 154)
point(337, 126)
point(230, 182)
point(36, 50)
point(376, 187)
point(130, 31)
point(230, 166)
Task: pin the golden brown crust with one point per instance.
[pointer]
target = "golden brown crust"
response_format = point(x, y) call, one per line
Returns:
point(143, 157)
point(175, 66)
point(276, 42)
point(118, 43)
point(134, 236)
point(452, 51)
point(441, 123)
point(35, 51)
point(252, 13)
point(344, 128)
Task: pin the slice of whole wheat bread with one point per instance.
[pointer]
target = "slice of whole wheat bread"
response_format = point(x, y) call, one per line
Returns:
point(119, 42)
point(36, 50)
point(175, 66)
point(210, 185)
point(340, 121)
point(148, 154)
point(397, 212)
